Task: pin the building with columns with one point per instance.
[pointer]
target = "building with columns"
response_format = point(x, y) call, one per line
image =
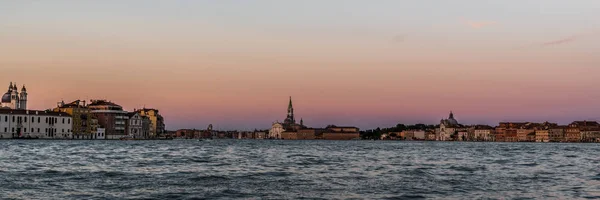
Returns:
point(13, 99)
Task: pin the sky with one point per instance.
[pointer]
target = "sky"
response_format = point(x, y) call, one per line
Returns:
point(234, 63)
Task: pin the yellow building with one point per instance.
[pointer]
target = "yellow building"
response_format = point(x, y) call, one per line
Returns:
point(84, 127)
point(157, 123)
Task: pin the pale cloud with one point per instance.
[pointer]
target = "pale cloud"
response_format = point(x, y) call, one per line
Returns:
point(561, 41)
point(570, 39)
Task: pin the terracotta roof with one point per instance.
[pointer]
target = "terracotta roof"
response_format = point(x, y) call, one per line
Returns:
point(102, 103)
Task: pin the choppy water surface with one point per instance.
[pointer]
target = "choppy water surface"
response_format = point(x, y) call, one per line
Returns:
point(246, 169)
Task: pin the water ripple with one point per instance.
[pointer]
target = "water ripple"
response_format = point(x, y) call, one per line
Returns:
point(247, 169)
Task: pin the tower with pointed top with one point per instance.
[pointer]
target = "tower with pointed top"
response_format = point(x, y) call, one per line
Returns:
point(23, 98)
point(290, 114)
point(14, 97)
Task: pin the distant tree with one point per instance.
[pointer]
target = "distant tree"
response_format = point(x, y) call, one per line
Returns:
point(400, 127)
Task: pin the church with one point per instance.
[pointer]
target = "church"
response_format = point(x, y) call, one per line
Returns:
point(13, 99)
point(289, 124)
point(448, 128)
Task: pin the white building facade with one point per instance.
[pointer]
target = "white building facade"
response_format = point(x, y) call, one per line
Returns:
point(35, 124)
point(276, 130)
point(100, 134)
point(134, 126)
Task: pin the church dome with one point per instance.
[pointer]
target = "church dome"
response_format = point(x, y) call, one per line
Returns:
point(6, 98)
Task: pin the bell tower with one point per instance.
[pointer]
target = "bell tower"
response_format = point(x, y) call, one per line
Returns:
point(14, 97)
point(23, 98)
point(290, 114)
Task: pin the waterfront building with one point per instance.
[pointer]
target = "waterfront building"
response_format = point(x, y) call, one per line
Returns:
point(157, 122)
point(83, 123)
point(419, 135)
point(289, 125)
point(522, 134)
point(581, 131)
point(462, 135)
point(111, 117)
point(100, 133)
point(35, 124)
point(542, 135)
point(530, 137)
point(507, 131)
point(146, 126)
point(333, 132)
point(449, 128)
point(135, 126)
point(308, 133)
point(259, 135)
point(188, 133)
point(499, 134)
point(482, 133)
point(407, 134)
point(589, 130)
point(572, 133)
point(289, 135)
point(557, 134)
point(511, 135)
point(429, 135)
point(12, 99)
point(276, 130)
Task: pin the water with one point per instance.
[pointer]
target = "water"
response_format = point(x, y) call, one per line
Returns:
point(255, 169)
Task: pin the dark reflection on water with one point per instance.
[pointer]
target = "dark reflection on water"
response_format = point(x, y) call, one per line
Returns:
point(247, 169)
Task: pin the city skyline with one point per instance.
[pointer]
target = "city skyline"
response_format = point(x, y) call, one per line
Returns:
point(234, 64)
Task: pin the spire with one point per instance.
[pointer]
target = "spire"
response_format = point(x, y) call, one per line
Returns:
point(451, 115)
point(23, 89)
point(301, 122)
point(10, 87)
point(290, 114)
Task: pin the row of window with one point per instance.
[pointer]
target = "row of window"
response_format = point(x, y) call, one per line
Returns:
point(38, 130)
point(24, 119)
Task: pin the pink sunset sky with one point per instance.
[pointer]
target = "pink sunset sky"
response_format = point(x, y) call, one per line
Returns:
point(369, 64)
